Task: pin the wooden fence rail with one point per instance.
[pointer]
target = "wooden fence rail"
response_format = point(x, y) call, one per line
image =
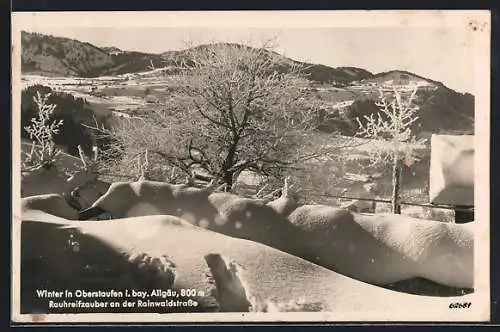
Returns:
point(435, 206)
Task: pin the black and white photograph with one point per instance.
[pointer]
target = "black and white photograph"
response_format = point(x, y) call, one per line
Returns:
point(289, 166)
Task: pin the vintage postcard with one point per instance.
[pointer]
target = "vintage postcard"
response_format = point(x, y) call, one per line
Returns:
point(292, 166)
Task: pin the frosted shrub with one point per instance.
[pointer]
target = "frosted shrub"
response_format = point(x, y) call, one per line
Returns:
point(42, 131)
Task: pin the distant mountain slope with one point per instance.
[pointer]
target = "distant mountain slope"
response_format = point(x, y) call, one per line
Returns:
point(401, 77)
point(61, 56)
point(441, 109)
point(446, 111)
point(325, 74)
point(315, 72)
point(132, 62)
point(110, 50)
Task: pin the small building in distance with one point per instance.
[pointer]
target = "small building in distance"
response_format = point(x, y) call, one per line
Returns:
point(451, 176)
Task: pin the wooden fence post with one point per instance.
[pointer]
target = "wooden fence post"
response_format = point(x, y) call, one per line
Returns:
point(396, 183)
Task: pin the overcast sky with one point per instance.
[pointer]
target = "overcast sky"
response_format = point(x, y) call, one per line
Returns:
point(439, 53)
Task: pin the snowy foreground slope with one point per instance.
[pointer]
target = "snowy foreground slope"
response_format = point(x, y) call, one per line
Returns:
point(245, 274)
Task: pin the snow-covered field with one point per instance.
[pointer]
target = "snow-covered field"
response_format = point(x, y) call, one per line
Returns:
point(91, 89)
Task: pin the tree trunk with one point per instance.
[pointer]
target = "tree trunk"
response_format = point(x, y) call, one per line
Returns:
point(228, 178)
point(227, 175)
point(396, 183)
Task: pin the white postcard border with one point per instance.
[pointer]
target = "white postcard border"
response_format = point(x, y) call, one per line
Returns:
point(478, 23)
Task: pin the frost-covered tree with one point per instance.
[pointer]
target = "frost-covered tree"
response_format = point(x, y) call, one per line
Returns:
point(390, 131)
point(230, 108)
point(42, 130)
